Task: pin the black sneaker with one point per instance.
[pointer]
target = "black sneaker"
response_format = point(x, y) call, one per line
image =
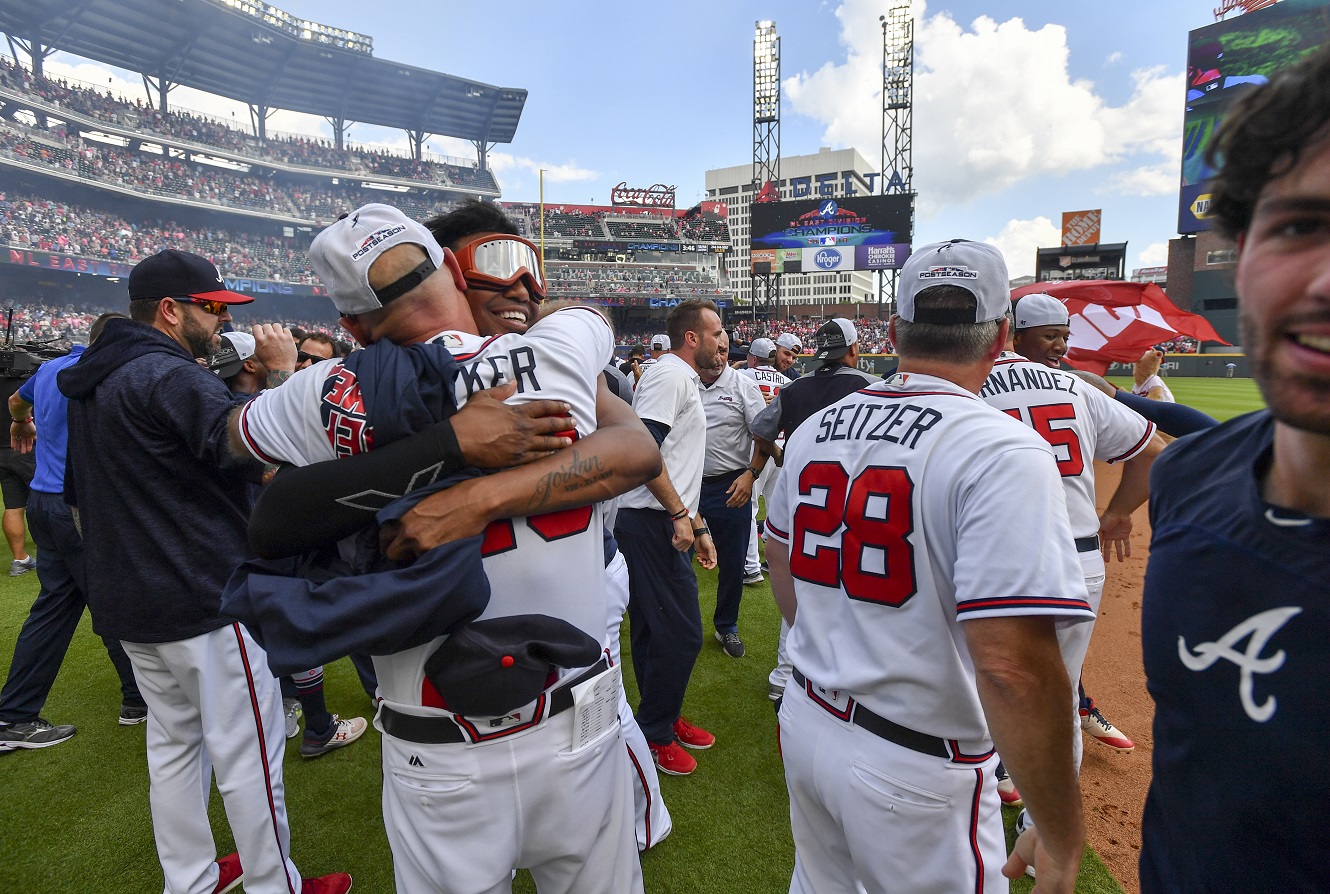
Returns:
point(37, 733)
point(130, 715)
point(734, 647)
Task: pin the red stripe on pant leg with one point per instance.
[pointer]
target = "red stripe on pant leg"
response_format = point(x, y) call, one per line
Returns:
point(637, 768)
point(263, 751)
point(974, 832)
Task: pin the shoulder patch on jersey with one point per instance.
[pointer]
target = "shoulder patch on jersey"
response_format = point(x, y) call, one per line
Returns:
point(342, 411)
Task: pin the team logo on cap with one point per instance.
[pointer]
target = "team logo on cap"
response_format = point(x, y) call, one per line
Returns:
point(948, 273)
point(375, 238)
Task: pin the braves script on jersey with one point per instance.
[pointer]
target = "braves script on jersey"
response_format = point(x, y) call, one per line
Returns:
point(559, 358)
point(1081, 423)
point(894, 503)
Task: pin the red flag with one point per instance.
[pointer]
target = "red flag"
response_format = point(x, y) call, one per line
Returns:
point(1117, 321)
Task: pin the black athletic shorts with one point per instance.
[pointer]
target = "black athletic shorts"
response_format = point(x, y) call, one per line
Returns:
point(16, 471)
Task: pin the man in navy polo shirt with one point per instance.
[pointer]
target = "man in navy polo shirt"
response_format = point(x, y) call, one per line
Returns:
point(38, 406)
point(1237, 592)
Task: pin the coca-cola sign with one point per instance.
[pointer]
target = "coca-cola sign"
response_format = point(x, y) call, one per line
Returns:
point(658, 195)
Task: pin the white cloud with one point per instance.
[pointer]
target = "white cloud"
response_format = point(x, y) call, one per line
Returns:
point(1115, 56)
point(1020, 241)
point(994, 104)
point(1149, 180)
point(1154, 255)
point(555, 173)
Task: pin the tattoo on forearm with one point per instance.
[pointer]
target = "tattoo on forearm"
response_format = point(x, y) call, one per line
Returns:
point(278, 376)
point(578, 473)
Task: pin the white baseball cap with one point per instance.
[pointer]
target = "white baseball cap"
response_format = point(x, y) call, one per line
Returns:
point(976, 267)
point(237, 347)
point(1040, 309)
point(762, 347)
point(791, 341)
point(342, 254)
point(834, 338)
point(660, 342)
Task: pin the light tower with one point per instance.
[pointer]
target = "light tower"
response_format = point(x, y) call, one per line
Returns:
point(766, 145)
point(897, 124)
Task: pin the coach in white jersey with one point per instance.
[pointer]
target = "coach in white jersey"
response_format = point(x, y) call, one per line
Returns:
point(919, 547)
point(469, 798)
point(762, 369)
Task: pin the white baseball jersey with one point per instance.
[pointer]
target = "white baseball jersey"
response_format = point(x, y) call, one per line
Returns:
point(731, 403)
point(1080, 422)
point(908, 507)
point(668, 393)
point(768, 379)
point(318, 414)
point(1143, 389)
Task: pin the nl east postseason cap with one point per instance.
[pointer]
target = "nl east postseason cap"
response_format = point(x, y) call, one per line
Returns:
point(237, 347)
point(976, 267)
point(180, 274)
point(762, 348)
point(791, 341)
point(833, 339)
point(660, 342)
point(1040, 309)
point(341, 255)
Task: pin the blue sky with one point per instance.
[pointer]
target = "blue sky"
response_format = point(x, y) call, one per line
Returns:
point(1023, 110)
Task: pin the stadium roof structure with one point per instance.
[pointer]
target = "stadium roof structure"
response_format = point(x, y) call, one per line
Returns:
point(258, 54)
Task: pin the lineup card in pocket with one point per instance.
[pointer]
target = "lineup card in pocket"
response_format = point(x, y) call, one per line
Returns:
point(595, 707)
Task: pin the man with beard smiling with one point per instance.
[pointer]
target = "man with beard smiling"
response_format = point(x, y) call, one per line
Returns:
point(163, 504)
point(1237, 592)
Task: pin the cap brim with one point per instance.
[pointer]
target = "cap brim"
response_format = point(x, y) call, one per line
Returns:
point(831, 353)
point(223, 296)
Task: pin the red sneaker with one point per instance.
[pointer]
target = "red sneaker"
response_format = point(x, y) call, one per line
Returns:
point(1097, 725)
point(229, 874)
point(693, 737)
point(337, 883)
point(672, 759)
point(1007, 792)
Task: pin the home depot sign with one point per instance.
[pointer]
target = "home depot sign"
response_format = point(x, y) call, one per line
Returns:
point(1081, 227)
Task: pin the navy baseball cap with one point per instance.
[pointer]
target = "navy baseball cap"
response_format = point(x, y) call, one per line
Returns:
point(180, 274)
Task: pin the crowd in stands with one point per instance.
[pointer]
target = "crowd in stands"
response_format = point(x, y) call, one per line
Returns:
point(201, 130)
point(571, 279)
point(639, 229)
point(619, 224)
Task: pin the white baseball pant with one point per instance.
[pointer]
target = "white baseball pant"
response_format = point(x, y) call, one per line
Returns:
point(214, 707)
point(652, 817)
point(1074, 640)
point(873, 816)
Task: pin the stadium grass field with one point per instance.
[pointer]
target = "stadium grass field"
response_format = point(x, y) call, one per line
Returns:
point(75, 816)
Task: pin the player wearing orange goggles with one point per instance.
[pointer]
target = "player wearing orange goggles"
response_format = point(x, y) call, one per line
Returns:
point(495, 262)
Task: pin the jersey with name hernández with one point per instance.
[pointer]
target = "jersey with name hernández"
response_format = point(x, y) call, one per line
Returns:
point(909, 507)
point(1079, 421)
point(550, 564)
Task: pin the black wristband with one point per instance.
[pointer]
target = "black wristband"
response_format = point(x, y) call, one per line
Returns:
point(754, 471)
point(698, 532)
point(682, 513)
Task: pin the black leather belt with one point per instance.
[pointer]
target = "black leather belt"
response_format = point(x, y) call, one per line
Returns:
point(885, 729)
point(444, 731)
point(723, 476)
point(1087, 544)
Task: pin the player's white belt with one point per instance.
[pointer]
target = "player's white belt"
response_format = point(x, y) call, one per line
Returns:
point(1087, 544)
point(857, 714)
point(444, 730)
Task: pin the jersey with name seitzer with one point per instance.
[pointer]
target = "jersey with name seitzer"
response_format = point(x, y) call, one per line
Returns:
point(1234, 628)
point(548, 564)
point(909, 507)
point(1080, 422)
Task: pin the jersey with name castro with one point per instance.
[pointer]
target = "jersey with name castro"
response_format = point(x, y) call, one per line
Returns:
point(767, 379)
point(909, 507)
point(1079, 421)
point(550, 564)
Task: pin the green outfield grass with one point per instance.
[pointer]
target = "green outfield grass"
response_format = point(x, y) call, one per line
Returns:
point(74, 817)
point(1221, 398)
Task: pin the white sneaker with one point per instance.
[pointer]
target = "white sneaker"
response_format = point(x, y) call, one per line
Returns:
point(1097, 725)
point(293, 714)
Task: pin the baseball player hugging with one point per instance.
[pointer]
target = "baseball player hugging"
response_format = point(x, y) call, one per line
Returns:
point(475, 786)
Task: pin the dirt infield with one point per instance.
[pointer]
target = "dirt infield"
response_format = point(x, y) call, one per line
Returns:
point(1114, 784)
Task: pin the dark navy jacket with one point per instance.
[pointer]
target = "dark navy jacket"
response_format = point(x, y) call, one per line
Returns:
point(162, 501)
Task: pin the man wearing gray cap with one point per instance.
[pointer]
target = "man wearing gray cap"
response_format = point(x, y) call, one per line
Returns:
point(788, 349)
point(547, 782)
point(923, 631)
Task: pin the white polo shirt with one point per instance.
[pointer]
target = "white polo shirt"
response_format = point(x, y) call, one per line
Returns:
point(668, 393)
point(731, 403)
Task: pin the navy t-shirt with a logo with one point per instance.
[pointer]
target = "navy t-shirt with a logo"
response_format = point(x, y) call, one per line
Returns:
point(1236, 637)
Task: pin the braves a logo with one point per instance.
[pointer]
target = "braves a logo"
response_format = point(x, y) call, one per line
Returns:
point(1260, 628)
